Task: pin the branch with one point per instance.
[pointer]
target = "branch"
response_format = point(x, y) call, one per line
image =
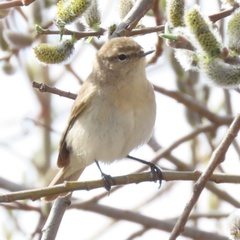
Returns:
point(147, 30)
point(194, 105)
point(183, 98)
point(45, 88)
point(101, 31)
point(183, 43)
point(146, 221)
point(216, 158)
point(119, 180)
point(162, 152)
point(223, 195)
point(78, 35)
point(19, 206)
point(217, 16)
point(165, 152)
point(52, 224)
point(17, 3)
point(11, 186)
point(139, 9)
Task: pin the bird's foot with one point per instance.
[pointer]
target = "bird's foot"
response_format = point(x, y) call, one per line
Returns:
point(108, 180)
point(155, 170)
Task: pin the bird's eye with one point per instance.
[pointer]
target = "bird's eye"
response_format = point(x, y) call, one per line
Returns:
point(122, 57)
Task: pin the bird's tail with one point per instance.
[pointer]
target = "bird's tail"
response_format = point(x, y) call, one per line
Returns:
point(65, 174)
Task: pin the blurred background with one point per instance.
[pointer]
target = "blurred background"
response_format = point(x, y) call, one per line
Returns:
point(31, 123)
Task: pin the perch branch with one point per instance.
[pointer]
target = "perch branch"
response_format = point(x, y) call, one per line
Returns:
point(119, 180)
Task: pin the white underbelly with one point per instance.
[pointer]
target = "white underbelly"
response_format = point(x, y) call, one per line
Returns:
point(98, 135)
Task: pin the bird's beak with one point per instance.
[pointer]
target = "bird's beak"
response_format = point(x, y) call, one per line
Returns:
point(146, 53)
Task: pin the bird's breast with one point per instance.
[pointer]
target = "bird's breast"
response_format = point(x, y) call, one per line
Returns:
point(113, 125)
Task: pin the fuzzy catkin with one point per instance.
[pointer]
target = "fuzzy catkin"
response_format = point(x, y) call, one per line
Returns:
point(233, 32)
point(221, 73)
point(175, 13)
point(92, 16)
point(52, 54)
point(70, 10)
point(203, 32)
point(124, 7)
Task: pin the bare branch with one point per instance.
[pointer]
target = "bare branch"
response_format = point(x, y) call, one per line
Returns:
point(78, 35)
point(145, 221)
point(216, 158)
point(195, 105)
point(120, 180)
point(52, 224)
point(16, 3)
point(184, 99)
point(220, 15)
point(139, 9)
point(11, 186)
point(45, 88)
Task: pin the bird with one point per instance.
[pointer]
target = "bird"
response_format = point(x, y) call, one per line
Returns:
point(114, 112)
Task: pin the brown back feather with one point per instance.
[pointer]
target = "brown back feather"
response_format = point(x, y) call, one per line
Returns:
point(83, 99)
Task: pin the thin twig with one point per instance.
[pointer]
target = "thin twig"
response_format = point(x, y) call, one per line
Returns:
point(195, 105)
point(164, 151)
point(147, 30)
point(180, 97)
point(216, 158)
point(146, 221)
point(16, 3)
point(100, 32)
point(223, 195)
point(19, 206)
point(45, 88)
point(78, 35)
point(220, 15)
point(138, 233)
point(11, 186)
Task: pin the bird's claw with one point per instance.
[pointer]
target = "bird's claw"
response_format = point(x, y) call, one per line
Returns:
point(157, 173)
point(108, 181)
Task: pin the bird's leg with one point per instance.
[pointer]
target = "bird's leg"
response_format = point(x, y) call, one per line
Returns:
point(156, 171)
point(108, 180)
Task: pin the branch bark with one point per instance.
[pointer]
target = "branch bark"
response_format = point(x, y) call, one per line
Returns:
point(35, 194)
point(216, 158)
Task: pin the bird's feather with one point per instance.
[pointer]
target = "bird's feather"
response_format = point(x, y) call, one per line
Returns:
point(82, 101)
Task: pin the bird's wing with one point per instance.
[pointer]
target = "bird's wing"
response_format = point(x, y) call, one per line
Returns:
point(82, 101)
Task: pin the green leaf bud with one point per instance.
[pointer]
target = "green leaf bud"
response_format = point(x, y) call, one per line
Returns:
point(51, 54)
point(39, 29)
point(168, 36)
point(111, 29)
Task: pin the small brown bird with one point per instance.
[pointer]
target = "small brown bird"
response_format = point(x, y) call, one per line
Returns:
point(113, 113)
